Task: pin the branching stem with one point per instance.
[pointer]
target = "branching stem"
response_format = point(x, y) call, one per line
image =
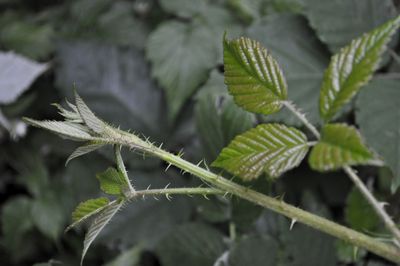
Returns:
point(379, 209)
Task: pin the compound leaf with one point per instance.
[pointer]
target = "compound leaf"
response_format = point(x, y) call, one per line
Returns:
point(353, 67)
point(98, 224)
point(340, 145)
point(254, 78)
point(272, 148)
point(112, 182)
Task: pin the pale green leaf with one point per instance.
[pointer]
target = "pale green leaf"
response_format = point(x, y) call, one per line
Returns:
point(353, 67)
point(112, 182)
point(70, 116)
point(254, 78)
point(64, 129)
point(88, 116)
point(86, 210)
point(340, 145)
point(98, 224)
point(85, 149)
point(181, 56)
point(378, 115)
point(270, 148)
point(337, 22)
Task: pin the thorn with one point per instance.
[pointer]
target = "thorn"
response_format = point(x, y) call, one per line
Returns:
point(205, 196)
point(168, 197)
point(206, 166)
point(167, 186)
point(160, 147)
point(226, 193)
point(198, 164)
point(382, 204)
point(156, 198)
point(292, 224)
point(148, 187)
point(169, 165)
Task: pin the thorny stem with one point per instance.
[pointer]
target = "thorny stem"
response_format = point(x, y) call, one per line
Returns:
point(387, 251)
point(175, 191)
point(378, 207)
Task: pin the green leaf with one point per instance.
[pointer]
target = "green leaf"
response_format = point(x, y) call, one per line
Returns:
point(353, 67)
point(357, 209)
point(112, 182)
point(181, 64)
point(85, 149)
point(302, 58)
point(64, 129)
point(92, 121)
point(183, 8)
point(340, 145)
point(130, 257)
point(191, 244)
point(86, 210)
point(270, 148)
point(254, 78)
point(378, 115)
point(338, 22)
point(98, 224)
point(17, 74)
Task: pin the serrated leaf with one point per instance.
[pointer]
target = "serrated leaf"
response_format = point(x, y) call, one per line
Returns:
point(270, 148)
point(64, 129)
point(82, 150)
point(340, 145)
point(181, 63)
point(353, 67)
point(112, 182)
point(90, 119)
point(98, 224)
point(254, 78)
point(378, 115)
point(87, 209)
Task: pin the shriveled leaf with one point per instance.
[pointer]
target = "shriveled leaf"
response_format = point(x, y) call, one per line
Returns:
point(64, 129)
point(340, 145)
point(87, 209)
point(181, 63)
point(82, 150)
point(17, 73)
point(88, 116)
point(378, 115)
point(353, 67)
point(337, 22)
point(254, 78)
point(112, 182)
point(98, 224)
point(270, 148)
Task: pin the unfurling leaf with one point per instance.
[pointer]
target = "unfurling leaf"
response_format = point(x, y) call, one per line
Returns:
point(82, 150)
point(86, 210)
point(112, 182)
point(88, 116)
point(270, 148)
point(254, 78)
point(353, 67)
point(340, 145)
point(98, 224)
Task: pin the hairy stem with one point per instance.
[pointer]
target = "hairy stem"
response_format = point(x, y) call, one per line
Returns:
point(176, 191)
point(379, 209)
point(358, 239)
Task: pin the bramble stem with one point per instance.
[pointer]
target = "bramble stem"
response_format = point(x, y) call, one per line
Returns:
point(379, 209)
point(387, 251)
point(176, 191)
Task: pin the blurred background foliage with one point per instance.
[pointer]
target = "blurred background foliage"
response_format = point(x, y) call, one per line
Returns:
point(155, 67)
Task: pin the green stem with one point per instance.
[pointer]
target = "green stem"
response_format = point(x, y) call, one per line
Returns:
point(358, 239)
point(176, 191)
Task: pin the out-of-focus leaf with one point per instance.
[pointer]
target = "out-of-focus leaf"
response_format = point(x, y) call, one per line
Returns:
point(85, 149)
point(112, 182)
point(259, 250)
point(17, 73)
point(348, 253)
point(184, 8)
point(191, 244)
point(273, 148)
point(48, 214)
point(337, 22)
point(379, 120)
point(115, 83)
point(340, 145)
point(352, 67)
point(301, 56)
point(181, 58)
point(130, 257)
point(254, 78)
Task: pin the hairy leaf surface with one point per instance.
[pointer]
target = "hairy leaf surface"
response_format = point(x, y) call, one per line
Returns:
point(86, 209)
point(85, 149)
point(340, 145)
point(270, 148)
point(88, 116)
point(353, 67)
point(112, 182)
point(254, 78)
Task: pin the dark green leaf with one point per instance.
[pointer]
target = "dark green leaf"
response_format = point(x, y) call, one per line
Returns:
point(352, 67)
point(340, 145)
point(270, 148)
point(254, 78)
point(112, 182)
